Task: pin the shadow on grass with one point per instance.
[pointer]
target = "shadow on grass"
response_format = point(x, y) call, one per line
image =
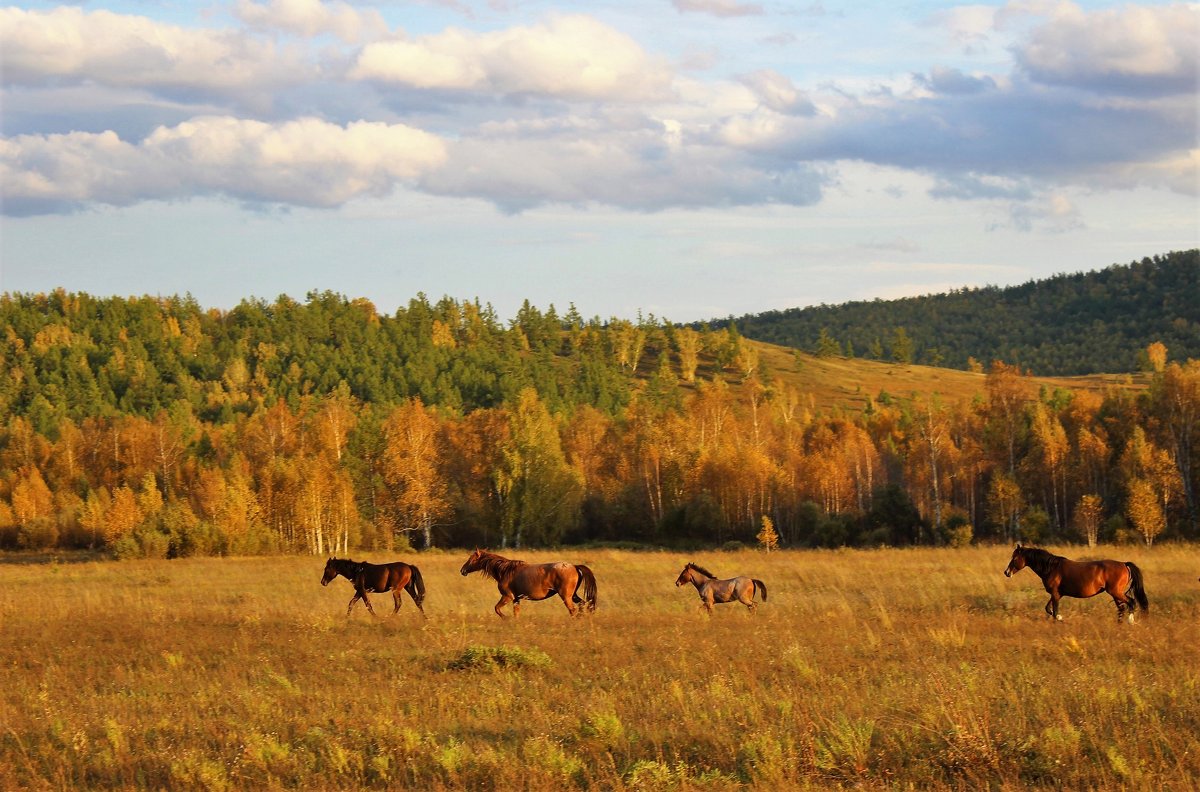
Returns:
point(34, 557)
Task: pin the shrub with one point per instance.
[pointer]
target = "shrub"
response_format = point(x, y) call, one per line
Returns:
point(1035, 526)
point(490, 658)
point(957, 530)
point(38, 533)
point(960, 535)
point(144, 541)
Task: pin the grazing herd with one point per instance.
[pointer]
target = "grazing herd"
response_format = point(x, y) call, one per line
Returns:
point(575, 584)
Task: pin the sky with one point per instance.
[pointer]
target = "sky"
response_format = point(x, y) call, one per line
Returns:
point(685, 159)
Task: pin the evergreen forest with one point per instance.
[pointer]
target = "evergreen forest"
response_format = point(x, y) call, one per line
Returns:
point(1066, 325)
point(155, 427)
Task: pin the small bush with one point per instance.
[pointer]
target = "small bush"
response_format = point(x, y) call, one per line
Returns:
point(490, 658)
point(957, 531)
point(37, 534)
point(145, 541)
point(1035, 526)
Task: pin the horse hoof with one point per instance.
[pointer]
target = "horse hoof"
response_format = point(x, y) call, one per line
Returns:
point(1058, 618)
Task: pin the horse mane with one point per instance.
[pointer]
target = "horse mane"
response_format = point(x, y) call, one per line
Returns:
point(497, 567)
point(700, 569)
point(1039, 560)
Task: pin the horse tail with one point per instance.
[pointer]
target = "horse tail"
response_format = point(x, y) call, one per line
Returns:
point(1135, 584)
point(588, 581)
point(416, 586)
point(758, 584)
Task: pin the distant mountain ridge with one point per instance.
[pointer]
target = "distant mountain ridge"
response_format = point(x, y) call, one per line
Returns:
point(1065, 325)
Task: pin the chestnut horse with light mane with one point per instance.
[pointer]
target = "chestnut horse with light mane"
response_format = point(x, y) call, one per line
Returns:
point(741, 589)
point(517, 580)
point(1063, 577)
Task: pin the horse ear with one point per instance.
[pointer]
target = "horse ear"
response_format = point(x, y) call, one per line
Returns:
point(1018, 545)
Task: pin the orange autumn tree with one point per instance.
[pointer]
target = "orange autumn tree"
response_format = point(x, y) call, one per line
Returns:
point(413, 467)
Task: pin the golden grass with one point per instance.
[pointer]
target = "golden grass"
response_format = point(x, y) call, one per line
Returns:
point(847, 383)
point(919, 668)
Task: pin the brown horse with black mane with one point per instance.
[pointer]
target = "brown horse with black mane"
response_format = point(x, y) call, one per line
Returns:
point(517, 580)
point(739, 589)
point(377, 579)
point(1063, 577)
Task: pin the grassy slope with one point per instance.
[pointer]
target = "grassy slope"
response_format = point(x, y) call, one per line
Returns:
point(847, 383)
point(872, 669)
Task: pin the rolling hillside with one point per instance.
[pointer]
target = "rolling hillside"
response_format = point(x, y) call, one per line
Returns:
point(1065, 325)
point(846, 384)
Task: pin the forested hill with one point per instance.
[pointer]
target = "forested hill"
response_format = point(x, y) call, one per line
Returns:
point(151, 426)
point(1064, 325)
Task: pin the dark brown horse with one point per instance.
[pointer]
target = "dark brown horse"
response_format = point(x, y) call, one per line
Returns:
point(518, 581)
point(1063, 577)
point(377, 579)
point(739, 589)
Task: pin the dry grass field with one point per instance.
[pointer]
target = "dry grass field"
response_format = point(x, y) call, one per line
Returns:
point(848, 383)
point(899, 669)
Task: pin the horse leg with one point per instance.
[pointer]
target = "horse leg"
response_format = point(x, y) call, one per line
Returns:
point(353, 600)
point(396, 597)
point(1126, 605)
point(504, 600)
point(571, 609)
point(367, 602)
point(1054, 598)
point(412, 592)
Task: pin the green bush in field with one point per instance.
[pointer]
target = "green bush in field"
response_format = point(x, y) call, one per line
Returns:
point(490, 658)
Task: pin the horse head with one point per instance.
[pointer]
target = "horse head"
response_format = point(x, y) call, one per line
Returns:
point(1017, 562)
point(473, 564)
point(330, 572)
point(685, 576)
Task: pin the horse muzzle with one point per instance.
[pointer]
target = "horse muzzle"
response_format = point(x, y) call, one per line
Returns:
point(1008, 572)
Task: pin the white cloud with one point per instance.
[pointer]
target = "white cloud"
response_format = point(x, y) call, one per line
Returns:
point(981, 137)
point(574, 57)
point(946, 80)
point(1053, 214)
point(67, 44)
point(644, 165)
point(721, 8)
point(1130, 49)
point(571, 110)
point(777, 92)
point(312, 18)
point(306, 162)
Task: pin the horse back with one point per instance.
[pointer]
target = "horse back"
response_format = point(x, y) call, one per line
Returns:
point(384, 577)
point(538, 581)
point(1087, 578)
point(726, 590)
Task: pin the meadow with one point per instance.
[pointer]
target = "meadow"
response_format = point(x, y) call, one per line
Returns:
point(865, 669)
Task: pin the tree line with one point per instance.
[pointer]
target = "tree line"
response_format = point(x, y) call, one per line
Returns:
point(1066, 325)
point(153, 427)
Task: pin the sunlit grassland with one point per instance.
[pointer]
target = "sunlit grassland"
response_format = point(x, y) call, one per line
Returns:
point(840, 382)
point(888, 668)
